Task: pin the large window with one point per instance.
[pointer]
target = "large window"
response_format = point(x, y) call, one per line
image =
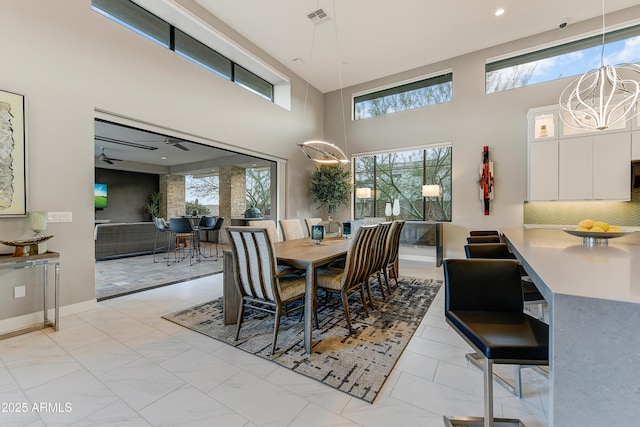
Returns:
point(400, 176)
point(143, 22)
point(569, 59)
point(429, 91)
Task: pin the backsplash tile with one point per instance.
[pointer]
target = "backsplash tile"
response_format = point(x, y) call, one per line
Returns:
point(568, 213)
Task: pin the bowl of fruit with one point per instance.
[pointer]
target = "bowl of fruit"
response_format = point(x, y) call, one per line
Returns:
point(596, 232)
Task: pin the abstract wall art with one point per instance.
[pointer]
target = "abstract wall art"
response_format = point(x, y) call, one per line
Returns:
point(13, 191)
point(486, 181)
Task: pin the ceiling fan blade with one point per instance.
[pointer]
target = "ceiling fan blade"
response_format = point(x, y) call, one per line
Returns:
point(107, 160)
point(182, 147)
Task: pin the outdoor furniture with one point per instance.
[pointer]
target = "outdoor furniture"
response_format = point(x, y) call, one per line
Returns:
point(185, 237)
point(161, 228)
point(258, 282)
point(483, 304)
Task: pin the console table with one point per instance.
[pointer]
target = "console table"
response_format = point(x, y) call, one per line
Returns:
point(41, 261)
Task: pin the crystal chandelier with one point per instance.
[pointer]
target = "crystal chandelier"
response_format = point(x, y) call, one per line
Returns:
point(603, 97)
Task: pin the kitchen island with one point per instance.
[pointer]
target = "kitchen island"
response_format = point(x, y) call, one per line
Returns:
point(594, 304)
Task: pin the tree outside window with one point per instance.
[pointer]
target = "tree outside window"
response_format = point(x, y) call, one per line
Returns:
point(401, 175)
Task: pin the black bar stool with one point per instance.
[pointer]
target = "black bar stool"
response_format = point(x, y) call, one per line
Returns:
point(483, 304)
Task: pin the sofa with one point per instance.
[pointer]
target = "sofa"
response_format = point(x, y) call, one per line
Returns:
point(116, 240)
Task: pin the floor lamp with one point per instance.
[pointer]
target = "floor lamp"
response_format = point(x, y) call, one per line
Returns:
point(431, 191)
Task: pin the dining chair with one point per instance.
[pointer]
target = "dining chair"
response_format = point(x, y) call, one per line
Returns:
point(291, 229)
point(257, 279)
point(376, 260)
point(269, 225)
point(392, 251)
point(184, 236)
point(311, 222)
point(352, 279)
point(483, 304)
point(332, 228)
point(161, 228)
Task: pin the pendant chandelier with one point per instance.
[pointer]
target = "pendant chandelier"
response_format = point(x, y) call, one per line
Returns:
point(603, 97)
point(323, 152)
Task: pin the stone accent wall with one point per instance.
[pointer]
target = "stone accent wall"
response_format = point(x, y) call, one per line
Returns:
point(233, 200)
point(172, 203)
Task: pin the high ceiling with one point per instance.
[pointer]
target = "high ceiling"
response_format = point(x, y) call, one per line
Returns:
point(373, 39)
point(362, 40)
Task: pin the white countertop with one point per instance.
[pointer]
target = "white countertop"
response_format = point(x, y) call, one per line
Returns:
point(610, 272)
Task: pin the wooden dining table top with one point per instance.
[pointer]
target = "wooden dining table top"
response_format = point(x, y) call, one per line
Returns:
point(304, 251)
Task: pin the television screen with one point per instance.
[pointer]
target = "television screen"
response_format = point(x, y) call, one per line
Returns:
point(100, 195)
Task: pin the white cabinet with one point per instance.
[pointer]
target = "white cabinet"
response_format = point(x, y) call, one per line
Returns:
point(635, 145)
point(595, 167)
point(612, 166)
point(575, 166)
point(578, 166)
point(543, 170)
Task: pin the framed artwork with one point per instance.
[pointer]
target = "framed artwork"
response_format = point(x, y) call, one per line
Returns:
point(13, 182)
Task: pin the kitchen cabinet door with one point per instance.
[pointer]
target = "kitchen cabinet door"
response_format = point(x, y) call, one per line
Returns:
point(543, 170)
point(635, 145)
point(575, 166)
point(612, 166)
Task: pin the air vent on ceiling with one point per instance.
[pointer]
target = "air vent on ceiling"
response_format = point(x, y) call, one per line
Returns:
point(318, 17)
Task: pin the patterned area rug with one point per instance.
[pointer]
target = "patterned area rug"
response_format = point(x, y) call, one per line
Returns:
point(357, 364)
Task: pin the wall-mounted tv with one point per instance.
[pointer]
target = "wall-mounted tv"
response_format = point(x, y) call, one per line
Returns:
point(100, 195)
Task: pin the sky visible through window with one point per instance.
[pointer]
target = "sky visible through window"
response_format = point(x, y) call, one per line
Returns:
point(576, 63)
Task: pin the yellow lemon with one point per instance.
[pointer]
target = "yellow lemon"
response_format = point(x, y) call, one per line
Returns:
point(601, 224)
point(597, 229)
point(586, 223)
point(613, 228)
point(582, 229)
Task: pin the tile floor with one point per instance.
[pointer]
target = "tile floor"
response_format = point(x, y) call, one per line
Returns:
point(122, 365)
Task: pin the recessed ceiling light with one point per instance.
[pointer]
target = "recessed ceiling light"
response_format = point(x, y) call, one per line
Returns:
point(163, 158)
point(499, 12)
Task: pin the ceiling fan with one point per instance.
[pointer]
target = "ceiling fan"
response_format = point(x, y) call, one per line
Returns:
point(103, 157)
point(176, 143)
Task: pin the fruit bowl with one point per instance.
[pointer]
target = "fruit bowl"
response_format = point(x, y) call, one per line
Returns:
point(590, 238)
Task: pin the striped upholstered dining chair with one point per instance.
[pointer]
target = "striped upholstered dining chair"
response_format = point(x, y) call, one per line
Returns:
point(353, 278)
point(392, 251)
point(377, 254)
point(258, 281)
point(291, 229)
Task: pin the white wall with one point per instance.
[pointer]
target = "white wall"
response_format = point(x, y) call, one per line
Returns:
point(68, 62)
point(472, 120)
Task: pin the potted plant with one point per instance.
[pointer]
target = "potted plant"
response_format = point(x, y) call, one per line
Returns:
point(153, 207)
point(331, 187)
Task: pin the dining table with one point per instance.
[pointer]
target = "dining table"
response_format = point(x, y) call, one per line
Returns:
point(304, 254)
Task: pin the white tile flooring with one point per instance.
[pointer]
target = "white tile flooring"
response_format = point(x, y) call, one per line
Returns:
point(122, 365)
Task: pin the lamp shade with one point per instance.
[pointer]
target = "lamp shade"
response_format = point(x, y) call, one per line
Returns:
point(430, 190)
point(363, 193)
point(396, 207)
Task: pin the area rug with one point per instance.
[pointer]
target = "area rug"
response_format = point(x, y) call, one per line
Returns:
point(356, 364)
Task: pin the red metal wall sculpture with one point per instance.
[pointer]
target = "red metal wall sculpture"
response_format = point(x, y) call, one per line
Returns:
point(486, 181)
